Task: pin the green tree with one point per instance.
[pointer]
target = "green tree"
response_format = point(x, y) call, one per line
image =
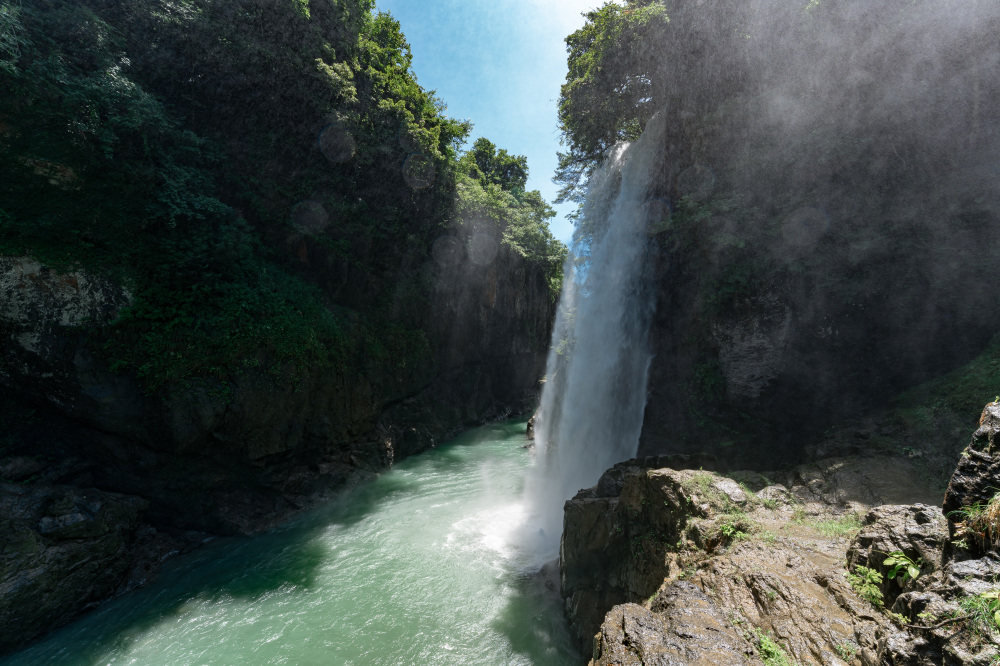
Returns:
point(498, 166)
point(608, 94)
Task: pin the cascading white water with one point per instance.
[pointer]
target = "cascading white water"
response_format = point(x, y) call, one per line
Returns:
point(595, 392)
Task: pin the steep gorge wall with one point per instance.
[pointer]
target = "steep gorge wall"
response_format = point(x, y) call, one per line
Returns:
point(214, 458)
point(823, 228)
point(237, 273)
point(242, 432)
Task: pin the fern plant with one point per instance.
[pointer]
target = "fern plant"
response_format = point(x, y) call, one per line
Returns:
point(867, 583)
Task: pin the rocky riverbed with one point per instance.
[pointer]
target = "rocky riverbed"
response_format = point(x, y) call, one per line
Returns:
point(665, 562)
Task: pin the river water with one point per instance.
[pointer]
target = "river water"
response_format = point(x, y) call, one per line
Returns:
point(418, 566)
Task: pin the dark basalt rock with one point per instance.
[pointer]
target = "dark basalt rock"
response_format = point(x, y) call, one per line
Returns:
point(918, 530)
point(975, 481)
point(61, 550)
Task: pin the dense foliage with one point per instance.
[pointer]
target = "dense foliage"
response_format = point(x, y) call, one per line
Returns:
point(607, 96)
point(267, 176)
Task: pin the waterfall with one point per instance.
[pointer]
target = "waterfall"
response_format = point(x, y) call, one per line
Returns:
point(595, 390)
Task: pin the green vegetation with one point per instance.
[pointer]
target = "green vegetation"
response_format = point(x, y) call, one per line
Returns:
point(982, 613)
point(980, 522)
point(733, 524)
point(771, 651)
point(847, 651)
point(867, 583)
point(267, 179)
point(518, 218)
point(605, 98)
point(903, 566)
point(846, 525)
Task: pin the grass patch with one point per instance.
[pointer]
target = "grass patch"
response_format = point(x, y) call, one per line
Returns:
point(982, 614)
point(980, 522)
point(844, 526)
point(847, 651)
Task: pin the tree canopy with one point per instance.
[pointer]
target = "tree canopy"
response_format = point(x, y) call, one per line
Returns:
point(608, 92)
point(497, 166)
point(242, 164)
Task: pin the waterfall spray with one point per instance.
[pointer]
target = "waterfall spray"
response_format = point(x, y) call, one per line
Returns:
point(595, 392)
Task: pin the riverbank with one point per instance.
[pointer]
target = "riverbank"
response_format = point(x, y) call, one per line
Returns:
point(787, 567)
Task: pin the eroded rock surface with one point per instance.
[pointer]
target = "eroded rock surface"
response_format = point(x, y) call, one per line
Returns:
point(62, 549)
point(960, 569)
point(685, 626)
point(707, 552)
point(974, 482)
point(750, 565)
point(918, 530)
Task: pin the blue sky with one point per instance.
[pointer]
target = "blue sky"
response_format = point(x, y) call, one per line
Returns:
point(498, 63)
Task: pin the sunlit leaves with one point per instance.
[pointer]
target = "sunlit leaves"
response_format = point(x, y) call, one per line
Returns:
point(608, 92)
point(519, 218)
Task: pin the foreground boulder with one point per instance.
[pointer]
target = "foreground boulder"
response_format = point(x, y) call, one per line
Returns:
point(919, 531)
point(61, 549)
point(623, 529)
point(755, 571)
point(702, 568)
point(685, 627)
point(949, 611)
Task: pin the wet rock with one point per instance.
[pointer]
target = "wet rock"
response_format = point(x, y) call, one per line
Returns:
point(623, 528)
point(640, 531)
point(904, 649)
point(687, 627)
point(731, 490)
point(860, 483)
point(783, 572)
point(975, 483)
point(776, 493)
point(797, 594)
point(918, 530)
point(61, 549)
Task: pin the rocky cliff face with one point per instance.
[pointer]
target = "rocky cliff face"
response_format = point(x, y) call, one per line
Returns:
point(62, 550)
point(216, 457)
point(815, 257)
point(739, 569)
point(770, 353)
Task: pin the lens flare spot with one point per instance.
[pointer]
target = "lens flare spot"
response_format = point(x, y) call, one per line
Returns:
point(310, 217)
point(482, 249)
point(418, 171)
point(447, 251)
point(804, 227)
point(337, 144)
point(696, 182)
